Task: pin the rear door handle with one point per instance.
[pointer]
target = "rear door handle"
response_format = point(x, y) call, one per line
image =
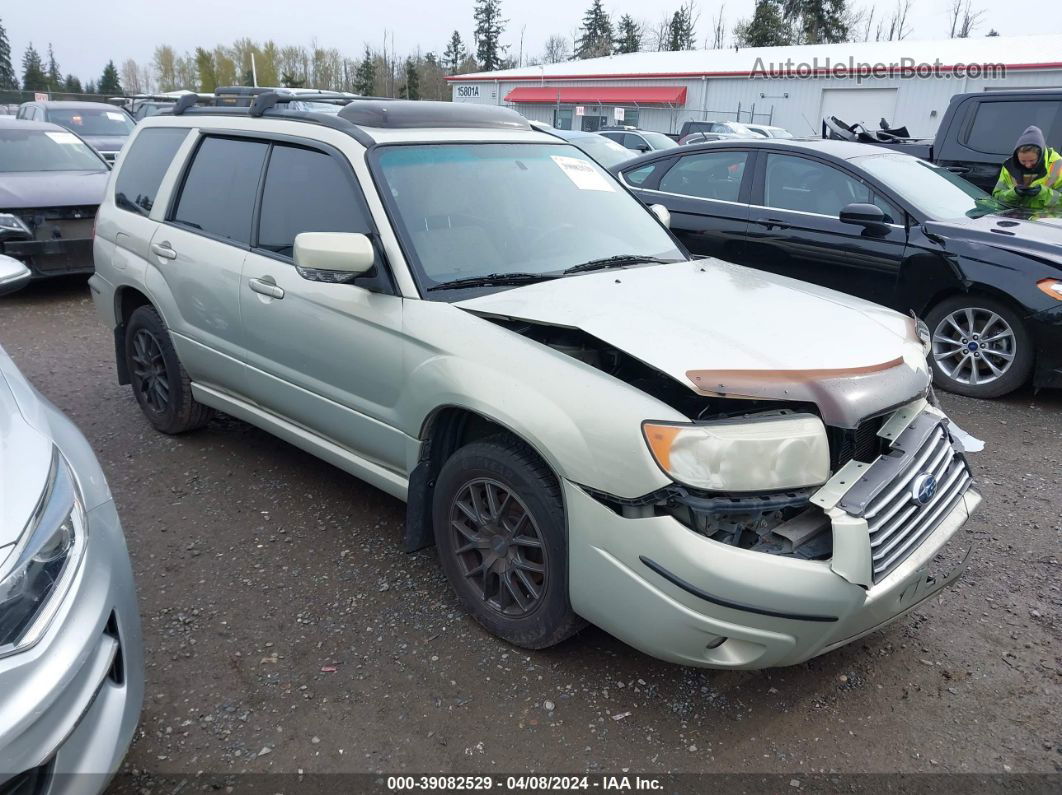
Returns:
point(163, 250)
point(265, 288)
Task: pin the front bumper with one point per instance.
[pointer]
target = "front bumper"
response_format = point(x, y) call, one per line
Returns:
point(70, 704)
point(1046, 330)
point(46, 258)
point(676, 595)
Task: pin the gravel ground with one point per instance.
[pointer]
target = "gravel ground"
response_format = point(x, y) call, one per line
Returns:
point(286, 630)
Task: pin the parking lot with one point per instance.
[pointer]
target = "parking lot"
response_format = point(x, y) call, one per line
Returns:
point(285, 629)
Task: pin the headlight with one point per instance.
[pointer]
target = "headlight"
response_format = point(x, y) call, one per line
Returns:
point(1053, 287)
point(45, 560)
point(751, 454)
point(12, 223)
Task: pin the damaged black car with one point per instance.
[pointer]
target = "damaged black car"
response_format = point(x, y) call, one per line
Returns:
point(51, 184)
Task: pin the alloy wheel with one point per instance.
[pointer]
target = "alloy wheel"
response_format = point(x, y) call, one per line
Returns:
point(974, 346)
point(498, 547)
point(149, 371)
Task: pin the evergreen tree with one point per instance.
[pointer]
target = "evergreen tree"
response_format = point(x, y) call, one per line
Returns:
point(489, 26)
point(682, 34)
point(55, 76)
point(90, 87)
point(289, 80)
point(819, 21)
point(365, 77)
point(411, 86)
point(109, 82)
point(767, 28)
point(628, 35)
point(454, 53)
point(596, 38)
point(8, 80)
point(72, 85)
point(204, 67)
point(33, 76)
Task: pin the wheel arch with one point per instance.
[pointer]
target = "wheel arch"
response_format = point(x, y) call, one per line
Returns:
point(445, 430)
point(127, 299)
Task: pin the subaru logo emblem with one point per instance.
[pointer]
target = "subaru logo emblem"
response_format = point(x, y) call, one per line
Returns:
point(923, 488)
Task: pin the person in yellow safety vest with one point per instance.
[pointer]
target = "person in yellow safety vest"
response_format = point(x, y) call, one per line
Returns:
point(1032, 176)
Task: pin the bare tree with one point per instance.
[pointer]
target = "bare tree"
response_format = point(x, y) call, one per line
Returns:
point(132, 77)
point(718, 29)
point(896, 27)
point(658, 36)
point(964, 19)
point(557, 50)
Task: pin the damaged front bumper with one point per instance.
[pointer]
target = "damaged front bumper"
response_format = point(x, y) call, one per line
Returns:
point(675, 594)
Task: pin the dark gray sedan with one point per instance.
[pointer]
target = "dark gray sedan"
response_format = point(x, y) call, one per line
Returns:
point(51, 183)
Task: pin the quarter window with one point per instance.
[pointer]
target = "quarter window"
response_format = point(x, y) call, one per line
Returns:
point(713, 175)
point(144, 166)
point(797, 183)
point(306, 191)
point(219, 191)
point(997, 125)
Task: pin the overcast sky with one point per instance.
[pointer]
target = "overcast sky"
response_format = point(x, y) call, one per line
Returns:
point(86, 35)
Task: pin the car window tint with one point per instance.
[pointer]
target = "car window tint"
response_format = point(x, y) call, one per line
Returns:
point(639, 175)
point(997, 125)
point(306, 191)
point(219, 191)
point(797, 183)
point(713, 175)
point(892, 213)
point(144, 166)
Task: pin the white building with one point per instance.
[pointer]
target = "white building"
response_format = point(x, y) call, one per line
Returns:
point(905, 82)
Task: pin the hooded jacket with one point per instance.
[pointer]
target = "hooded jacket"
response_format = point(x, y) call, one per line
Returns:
point(1046, 174)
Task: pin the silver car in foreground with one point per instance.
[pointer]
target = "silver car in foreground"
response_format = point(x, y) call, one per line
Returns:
point(71, 661)
point(720, 466)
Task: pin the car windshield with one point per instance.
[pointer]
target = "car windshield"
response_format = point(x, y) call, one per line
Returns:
point(604, 150)
point(741, 129)
point(92, 121)
point(658, 140)
point(45, 150)
point(934, 191)
point(472, 210)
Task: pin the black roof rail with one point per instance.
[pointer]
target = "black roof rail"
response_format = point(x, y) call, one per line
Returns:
point(406, 114)
point(185, 102)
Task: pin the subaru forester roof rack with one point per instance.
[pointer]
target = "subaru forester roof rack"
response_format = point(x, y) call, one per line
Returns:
point(185, 102)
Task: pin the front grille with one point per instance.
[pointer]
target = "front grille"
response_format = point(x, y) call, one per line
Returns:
point(898, 523)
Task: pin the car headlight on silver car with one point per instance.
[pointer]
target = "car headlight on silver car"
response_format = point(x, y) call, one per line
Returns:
point(12, 223)
point(751, 454)
point(39, 571)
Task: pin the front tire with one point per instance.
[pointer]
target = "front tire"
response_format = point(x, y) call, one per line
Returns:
point(501, 537)
point(980, 347)
point(161, 385)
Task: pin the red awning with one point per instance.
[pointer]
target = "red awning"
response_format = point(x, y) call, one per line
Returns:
point(594, 95)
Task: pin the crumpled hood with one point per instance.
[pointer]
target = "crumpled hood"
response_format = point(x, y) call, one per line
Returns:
point(25, 459)
point(52, 189)
point(709, 316)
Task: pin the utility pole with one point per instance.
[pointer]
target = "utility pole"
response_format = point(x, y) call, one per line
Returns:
point(254, 71)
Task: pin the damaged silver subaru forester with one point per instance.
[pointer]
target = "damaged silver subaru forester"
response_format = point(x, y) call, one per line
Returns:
point(720, 467)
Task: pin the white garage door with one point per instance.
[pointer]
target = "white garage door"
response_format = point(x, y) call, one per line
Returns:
point(864, 105)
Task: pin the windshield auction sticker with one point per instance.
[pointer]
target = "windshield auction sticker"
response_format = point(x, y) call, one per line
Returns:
point(584, 175)
point(63, 137)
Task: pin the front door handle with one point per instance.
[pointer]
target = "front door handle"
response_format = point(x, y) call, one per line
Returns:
point(771, 223)
point(163, 250)
point(263, 287)
point(958, 169)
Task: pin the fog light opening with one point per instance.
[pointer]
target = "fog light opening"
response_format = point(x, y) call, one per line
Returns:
point(715, 644)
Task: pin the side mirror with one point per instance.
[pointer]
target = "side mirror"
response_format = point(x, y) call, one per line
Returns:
point(13, 275)
point(332, 256)
point(863, 215)
point(642, 148)
point(662, 214)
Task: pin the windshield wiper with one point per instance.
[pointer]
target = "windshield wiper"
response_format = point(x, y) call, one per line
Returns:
point(493, 279)
point(617, 261)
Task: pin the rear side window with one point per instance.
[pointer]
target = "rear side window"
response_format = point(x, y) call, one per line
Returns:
point(307, 191)
point(715, 175)
point(220, 188)
point(144, 166)
point(997, 125)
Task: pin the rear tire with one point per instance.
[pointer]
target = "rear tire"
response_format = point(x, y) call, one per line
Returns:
point(501, 536)
point(980, 347)
point(161, 385)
